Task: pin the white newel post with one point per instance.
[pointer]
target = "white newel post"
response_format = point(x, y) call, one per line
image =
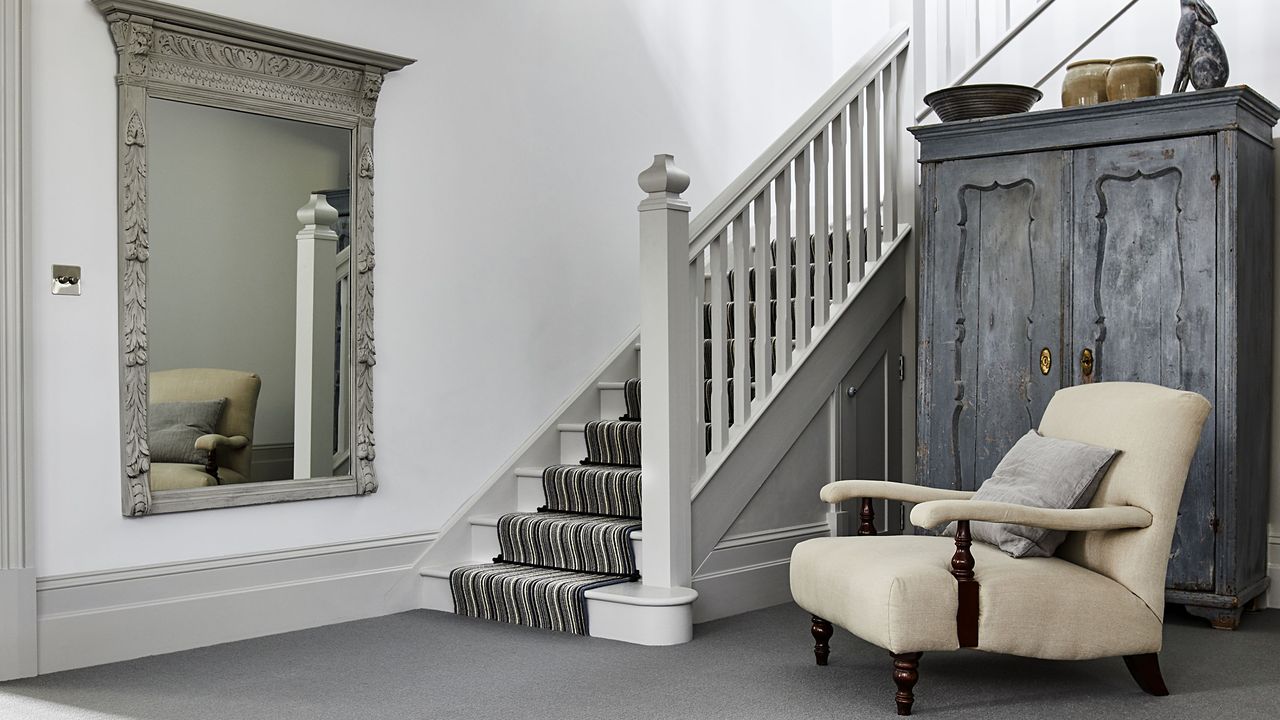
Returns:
point(313, 347)
point(666, 375)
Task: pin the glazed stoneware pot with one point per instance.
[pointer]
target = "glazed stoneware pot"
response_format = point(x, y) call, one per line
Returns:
point(1086, 83)
point(1134, 77)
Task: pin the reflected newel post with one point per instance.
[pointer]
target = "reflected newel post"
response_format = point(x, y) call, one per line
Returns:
point(667, 458)
point(313, 333)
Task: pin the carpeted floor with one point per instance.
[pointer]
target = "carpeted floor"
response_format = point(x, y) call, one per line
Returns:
point(427, 664)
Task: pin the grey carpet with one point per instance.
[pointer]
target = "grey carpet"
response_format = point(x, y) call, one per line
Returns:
point(426, 664)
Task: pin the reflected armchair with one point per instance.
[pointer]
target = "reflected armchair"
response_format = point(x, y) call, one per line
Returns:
point(1104, 588)
point(230, 446)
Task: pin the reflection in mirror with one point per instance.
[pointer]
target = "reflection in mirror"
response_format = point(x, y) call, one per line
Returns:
point(248, 297)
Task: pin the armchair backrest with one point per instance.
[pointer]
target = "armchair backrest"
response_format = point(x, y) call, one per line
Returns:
point(240, 388)
point(1157, 430)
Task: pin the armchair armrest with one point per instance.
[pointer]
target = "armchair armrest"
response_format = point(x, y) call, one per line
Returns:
point(1116, 517)
point(851, 489)
point(213, 441)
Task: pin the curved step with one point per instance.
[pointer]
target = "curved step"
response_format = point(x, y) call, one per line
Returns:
point(628, 612)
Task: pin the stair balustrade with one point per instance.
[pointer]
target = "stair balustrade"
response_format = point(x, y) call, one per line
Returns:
point(734, 300)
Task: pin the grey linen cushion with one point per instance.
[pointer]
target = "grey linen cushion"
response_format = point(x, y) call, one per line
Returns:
point(1039, 472)
point(173, 427)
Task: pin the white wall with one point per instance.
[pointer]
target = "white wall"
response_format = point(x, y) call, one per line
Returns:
point(506, 164)
point(224, 191)
point(1248, 29)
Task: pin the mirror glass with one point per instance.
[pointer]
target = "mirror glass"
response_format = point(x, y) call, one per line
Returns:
point(248, 297)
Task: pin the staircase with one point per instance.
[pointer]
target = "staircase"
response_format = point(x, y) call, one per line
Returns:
point(555, 540)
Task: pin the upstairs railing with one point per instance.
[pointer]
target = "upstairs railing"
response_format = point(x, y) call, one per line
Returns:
point(839, 182)
point(954, 39)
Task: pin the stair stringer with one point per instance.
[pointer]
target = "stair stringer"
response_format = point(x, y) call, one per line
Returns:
point(497, 495)
point(725, 489)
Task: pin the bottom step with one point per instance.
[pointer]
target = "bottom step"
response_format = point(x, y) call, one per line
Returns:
point(628, 612)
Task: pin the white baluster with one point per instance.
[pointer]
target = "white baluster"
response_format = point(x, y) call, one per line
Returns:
point(741, 320)
point(782, 270)
point(698, 282)
point(821, 279)
point(667, 457)
point(857, 207)
point(804, 314)
point(764, 371)
point(874, 233)
point(839, 217)
point(719, 342)
point(892, 133)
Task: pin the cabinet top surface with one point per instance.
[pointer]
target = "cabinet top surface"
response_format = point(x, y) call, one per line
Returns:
point(1190, 113)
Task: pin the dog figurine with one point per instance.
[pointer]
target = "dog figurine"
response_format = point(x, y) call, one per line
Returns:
point(1202, 61)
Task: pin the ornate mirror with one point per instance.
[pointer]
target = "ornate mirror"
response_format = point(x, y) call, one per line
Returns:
point(246, 260)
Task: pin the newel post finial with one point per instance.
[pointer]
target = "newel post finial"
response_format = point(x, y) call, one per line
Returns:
point(663, 180)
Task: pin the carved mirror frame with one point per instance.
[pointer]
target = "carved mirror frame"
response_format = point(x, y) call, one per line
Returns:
point(175, 53)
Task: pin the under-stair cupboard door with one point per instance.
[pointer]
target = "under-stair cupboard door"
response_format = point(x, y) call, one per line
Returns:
point(1144, 295)
point(993, 309)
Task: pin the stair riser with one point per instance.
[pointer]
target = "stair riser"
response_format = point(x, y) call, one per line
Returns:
point(485, 547)
point(529, 495)
point(573, 447)
point(613, 404)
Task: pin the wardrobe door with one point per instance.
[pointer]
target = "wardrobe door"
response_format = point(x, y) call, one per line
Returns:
point(1144, 298)
point(993, 313)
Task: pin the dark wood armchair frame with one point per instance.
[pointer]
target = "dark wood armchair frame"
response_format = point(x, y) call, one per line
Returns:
point(1145, 669)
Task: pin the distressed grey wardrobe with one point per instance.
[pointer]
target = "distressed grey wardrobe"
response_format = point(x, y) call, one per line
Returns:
point(1123, 241)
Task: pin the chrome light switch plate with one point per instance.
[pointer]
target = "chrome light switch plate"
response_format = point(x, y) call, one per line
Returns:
point(66, 280)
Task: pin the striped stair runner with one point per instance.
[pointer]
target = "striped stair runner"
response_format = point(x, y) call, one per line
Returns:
point(581, 538)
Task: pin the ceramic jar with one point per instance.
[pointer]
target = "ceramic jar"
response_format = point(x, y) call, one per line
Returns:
point(1086, 83)
point(1134, 77)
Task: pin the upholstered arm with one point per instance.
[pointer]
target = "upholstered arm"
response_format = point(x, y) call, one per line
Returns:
point(1116, 517)
point(852, 489)
point(213, 441)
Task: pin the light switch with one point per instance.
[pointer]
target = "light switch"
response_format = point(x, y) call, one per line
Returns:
point(66, 280)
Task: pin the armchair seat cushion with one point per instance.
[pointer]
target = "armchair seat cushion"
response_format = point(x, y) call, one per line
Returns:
point(183, 476)
point(898, 592)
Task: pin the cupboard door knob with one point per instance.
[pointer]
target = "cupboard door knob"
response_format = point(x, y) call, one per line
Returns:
point(1086, 364)
point(1046, 361)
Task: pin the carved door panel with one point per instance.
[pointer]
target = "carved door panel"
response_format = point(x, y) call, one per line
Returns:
point(996, 312)
point(1144, 296)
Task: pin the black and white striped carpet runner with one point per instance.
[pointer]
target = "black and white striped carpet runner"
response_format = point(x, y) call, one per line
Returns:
point(581, 538)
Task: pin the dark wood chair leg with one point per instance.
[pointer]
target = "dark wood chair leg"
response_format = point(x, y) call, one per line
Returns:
point(906, 671)
point(1145, 669)
point(821, 639)
point(867, 515)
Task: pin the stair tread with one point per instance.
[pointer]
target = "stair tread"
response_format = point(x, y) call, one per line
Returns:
point(610, 385)
point(571, 427)
point(488, 520)
point(635, 593)
point(531, 471)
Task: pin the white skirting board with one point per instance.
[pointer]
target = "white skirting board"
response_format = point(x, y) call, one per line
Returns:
point(749, 572)
point(102, 617)
point(17, 623)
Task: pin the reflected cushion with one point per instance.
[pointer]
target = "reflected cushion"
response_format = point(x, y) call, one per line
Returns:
point(1040, 472)
point(174, 427)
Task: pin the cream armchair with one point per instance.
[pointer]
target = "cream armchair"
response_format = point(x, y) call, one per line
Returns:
point(230, 446)
point(1104, 590)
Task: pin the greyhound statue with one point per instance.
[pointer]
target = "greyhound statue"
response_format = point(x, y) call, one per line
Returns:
point(1202, 60)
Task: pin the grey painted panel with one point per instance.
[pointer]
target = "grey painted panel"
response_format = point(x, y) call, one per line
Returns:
point(1145, 297)
point(996, 268)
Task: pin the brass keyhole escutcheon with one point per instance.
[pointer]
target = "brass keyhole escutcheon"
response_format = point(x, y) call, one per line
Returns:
point(1086, 362)
point(1046, 361)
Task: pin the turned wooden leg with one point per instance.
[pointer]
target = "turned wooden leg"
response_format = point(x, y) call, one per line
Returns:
point(906, 671)
point(868, 517)
point(821, 639)
point(1145, 670)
